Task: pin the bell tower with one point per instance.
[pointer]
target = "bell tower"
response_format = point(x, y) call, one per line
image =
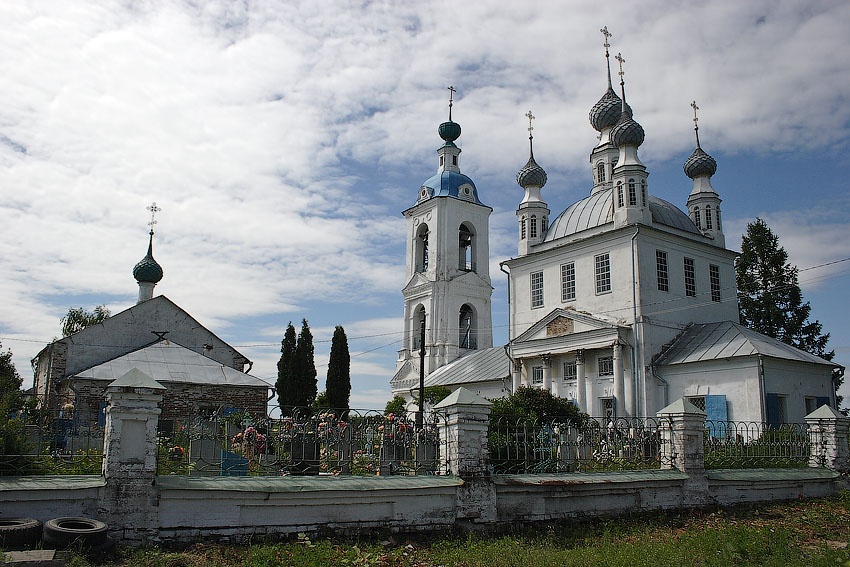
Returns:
point(447, 270)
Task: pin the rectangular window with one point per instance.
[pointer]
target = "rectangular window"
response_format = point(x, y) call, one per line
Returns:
point(690, 278)
point(605, 365)
point(603, 273)
point(606, 406)
point(568, 281)
point(570, 371)
point(714, 280)
point(661, 270)
point(537, 289)
point(537, 375)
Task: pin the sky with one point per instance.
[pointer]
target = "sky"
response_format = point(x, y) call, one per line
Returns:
point(282, 140)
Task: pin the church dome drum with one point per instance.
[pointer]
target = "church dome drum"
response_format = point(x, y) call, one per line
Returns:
point(700, 163)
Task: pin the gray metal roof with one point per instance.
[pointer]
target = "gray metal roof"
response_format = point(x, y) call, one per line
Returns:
point(169, 362)
point(598, 209)
point(725, 339)
point(479, 366)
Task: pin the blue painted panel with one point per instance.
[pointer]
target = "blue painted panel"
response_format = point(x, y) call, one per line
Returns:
point(101, 414)
point(715, 410)
point(233, 464)
point(772, 403)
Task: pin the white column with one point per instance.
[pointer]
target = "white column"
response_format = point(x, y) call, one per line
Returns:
point(619, 385)
point(628, 378)
point(516, 374)
point(581, 393)
point(547, 373)
point(557, 384)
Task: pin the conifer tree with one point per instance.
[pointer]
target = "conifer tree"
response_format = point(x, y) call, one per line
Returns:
point(305, 367)
point(769, 296)
point(338, 385)
point(286, 381)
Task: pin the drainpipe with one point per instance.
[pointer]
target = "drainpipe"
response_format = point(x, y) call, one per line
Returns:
point(635, 375)
point(762, 401)
point(507, 347)
point(666, 385)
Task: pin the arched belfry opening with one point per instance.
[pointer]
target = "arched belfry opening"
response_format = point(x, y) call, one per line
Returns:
point(467, 328)
point(466, 248)
point(421, 248)
point(416, 327)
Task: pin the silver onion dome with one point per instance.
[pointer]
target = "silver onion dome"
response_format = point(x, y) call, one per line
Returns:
point(700, 163)
point(531, 175)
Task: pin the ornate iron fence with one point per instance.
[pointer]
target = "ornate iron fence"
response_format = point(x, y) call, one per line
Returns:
point(749, 444)
point(519, 445)
point(56, 443)
point(298, 441)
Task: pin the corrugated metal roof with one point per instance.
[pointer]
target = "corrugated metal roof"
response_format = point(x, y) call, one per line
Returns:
point(169, 362)
point(479, 366)
point(598, 209)
point(726, 339)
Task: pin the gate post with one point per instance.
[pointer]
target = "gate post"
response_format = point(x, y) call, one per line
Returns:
point(828, 433)
point(683, 432)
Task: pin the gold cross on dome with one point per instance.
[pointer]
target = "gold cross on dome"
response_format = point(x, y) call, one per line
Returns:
point(695, 107)
point(607, 34)
point(530, 117)
point(619, 57)
point(154, 210)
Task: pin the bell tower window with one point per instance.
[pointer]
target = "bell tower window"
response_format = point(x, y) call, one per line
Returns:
point(643, 191)
point(466, 328)
point(533, 227)
point(600, 172)
point(697, 220)
point(441, 161)
point(544, 225)
point(421, 248)
point(465, 249)
point(708, 217)
point(522, 228)
point(454, 160)
point(619, 194)
point(416, 331)
point(632, 193)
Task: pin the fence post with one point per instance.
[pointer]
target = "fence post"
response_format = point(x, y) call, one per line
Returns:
point(128, 501)
point(463, 435)
point(683, 432)
point(828, 439)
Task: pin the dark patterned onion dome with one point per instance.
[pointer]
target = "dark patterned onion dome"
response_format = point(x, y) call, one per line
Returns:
point(700, 163)
point(449, 131)
point(606, 112)
point(627, 132)
point(147, 270)
point(531, 175)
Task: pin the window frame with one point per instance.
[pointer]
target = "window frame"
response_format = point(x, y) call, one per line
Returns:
point(714, 281)
point(608, 361)
point(708, 218)
point(690, 277)
point(662, 271)
point(573, 373)
point(532, 226)
point(535, 371)
point(602, 264)
point(632, 193)
point(536, 288)
point(568, 281)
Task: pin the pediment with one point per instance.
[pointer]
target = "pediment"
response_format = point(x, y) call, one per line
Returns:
point(415, 281)
point(563, 322)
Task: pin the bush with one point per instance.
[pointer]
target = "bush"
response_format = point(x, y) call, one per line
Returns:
point(535, 403)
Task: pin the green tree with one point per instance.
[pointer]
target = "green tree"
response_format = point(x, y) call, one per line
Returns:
point(78, 319)
point(10, 381)
point(433, 395)
point(286, 385)
point(769, 296)
point(11, 426)
point(338, 385)
point(396, 406)
point(535, 403)
point(305, 367)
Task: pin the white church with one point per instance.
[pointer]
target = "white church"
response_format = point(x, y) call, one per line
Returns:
point(622, 303)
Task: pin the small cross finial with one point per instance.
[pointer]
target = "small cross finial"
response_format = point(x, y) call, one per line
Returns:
point(619, 57)
point(530, 117)
point(452, 92)
point(607, 34)
point(696, 120)
point(154, 210)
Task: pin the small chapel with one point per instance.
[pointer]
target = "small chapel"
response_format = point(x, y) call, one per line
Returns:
point(200, 372)
point(621, 303)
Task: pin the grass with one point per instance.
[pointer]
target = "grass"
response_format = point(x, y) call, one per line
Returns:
point(809, 532)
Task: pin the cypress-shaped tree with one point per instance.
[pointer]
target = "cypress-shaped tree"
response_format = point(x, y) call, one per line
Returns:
point(338, 385)
point(769, 296)
point(305, 367)
point(286, 386)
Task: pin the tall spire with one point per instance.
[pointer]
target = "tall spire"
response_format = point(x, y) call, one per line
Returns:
point(607, 34)
point(696, 120)
point(621, 60)
point(530, 117)
point(627, 132)
point(700, 163)
point(148, 272)
point(531, 175)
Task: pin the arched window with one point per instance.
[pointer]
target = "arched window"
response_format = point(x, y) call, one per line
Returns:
point(643, 191)
point(600, 172)
point(697, 220)
point(465, 252)
point(708, 217)
point(619, 194)
point(454, 160)
point(717, 215)
point(441, 161)
point(632, 193)
point(420, 245)
point(467, 333)
point(416, 330)
point(532, 228)
point(522, 228)
point(544, 225)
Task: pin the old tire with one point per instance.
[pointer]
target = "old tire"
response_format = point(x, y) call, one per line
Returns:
point(19, 533)
point(62, 533)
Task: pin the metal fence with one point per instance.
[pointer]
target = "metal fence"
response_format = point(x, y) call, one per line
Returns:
point(519, 445)
point(749, 444)
point(55, 443)
point(299, 441)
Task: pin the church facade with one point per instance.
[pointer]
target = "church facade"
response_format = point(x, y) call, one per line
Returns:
point(624, 302)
